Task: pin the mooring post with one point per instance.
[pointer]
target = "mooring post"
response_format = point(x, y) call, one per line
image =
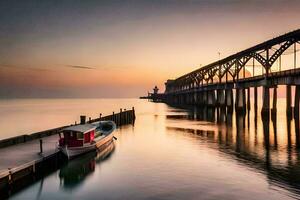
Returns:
point(125, 116)
point(82, 119)
point(100, 116)
point(120, 117)
point(41, 146)
point(133, 113)
point(113, 117)
point(90, 119)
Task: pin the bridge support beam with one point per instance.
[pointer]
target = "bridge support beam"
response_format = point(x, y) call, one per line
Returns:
point(274, 107)
point(248, 99)
point(266, 100)
point(182, 99)
point(255, 98)
point(240, 100)
point(195, 97)
point(288, 99)
point(198, 98)
point(297, 99)
point(229, 100)
point(205, 97)
point(201, 98)
point(188, 98)
point(211, 98)
point(220, 98)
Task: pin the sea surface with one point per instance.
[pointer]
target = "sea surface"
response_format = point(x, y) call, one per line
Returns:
point(168, 153)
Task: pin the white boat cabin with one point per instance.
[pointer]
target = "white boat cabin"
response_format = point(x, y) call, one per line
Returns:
point(78, 135)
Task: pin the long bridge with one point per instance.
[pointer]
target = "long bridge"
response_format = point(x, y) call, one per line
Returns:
point(259, 66)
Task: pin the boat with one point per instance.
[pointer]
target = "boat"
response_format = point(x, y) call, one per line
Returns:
point(83, 138)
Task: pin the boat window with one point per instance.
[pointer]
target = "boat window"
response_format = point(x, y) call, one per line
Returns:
point(79, 135)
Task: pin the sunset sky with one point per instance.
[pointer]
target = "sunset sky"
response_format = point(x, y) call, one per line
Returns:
point(124, 48)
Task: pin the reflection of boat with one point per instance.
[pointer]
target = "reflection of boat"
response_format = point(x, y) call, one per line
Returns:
point(78, 169)
point(84, 138)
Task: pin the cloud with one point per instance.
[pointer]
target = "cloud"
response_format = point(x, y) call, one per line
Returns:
point(80, 67)
point(98, 67)
point(23, 67)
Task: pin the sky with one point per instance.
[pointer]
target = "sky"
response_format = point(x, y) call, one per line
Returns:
point(111, 49)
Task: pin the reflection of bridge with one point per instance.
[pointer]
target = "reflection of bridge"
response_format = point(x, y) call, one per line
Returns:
point(261, 65)
point(260, 153)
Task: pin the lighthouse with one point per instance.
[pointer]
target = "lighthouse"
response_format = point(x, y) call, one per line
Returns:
point(155, 90)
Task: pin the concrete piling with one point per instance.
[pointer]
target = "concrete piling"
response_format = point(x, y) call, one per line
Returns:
point(255, 98)
point(266, 100)
point(41, 146)
point(296, 102)
point(240, 104)
point(288, 99)
point(229, 100)
point(248, 99)
point(274, 107)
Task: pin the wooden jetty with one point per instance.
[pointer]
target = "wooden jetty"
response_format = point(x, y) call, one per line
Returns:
point(27, 157)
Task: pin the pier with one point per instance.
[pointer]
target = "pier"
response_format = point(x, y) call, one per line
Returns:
point(228, 82)
point(25, 158)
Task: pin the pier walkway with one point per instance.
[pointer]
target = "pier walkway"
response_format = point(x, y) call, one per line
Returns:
point(23, 154)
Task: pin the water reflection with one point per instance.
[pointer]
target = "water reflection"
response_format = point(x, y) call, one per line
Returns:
point(252, 140)
point(194, 153)
point(73, 174)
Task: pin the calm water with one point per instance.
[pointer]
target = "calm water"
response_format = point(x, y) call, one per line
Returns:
point(169, 153)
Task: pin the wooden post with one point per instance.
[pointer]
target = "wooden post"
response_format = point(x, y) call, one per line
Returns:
point(90, 119)
point(41, 146)
point(82, 119)
point(133, 113)
point(100, 116)
point(128, 117)
point(125, 116)
point(120, 117)
point(113, 117)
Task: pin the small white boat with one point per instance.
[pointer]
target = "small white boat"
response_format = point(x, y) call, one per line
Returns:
point(84, 138)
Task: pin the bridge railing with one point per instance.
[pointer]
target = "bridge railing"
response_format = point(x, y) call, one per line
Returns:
point(233, 68)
